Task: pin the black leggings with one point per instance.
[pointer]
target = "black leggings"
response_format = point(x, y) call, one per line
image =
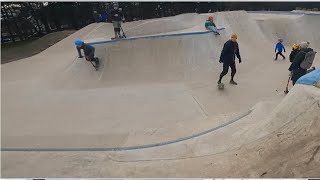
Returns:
point(226, 68)
point(280, 52)
point(116, 30)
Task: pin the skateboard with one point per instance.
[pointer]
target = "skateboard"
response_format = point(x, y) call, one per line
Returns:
point(221, 86)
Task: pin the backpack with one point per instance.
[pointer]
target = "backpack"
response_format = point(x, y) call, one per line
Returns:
point(308, 60)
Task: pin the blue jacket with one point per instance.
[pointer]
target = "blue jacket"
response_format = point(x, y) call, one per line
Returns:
point(279, 47)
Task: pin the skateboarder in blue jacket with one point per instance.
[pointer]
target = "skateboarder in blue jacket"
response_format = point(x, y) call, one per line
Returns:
point(280, 48)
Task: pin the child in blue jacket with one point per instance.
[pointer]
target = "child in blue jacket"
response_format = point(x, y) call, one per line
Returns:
point(280, 48)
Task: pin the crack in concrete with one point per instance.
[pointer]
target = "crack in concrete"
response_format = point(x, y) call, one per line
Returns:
point(313, 155)
point(200, 106)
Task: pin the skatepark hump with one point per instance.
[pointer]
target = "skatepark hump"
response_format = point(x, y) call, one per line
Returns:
point(154, 102)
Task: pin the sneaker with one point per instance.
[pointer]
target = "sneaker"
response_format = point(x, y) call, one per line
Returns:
point(233, 82)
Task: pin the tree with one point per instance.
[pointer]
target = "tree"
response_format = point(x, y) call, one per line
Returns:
point(5, 19)
point(30, 6)
point(53, 14)
point(30, 19)
point(42, 12)
point(11, 17)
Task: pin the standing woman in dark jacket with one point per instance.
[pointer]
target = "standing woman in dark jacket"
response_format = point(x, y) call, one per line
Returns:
point(227, 57)
point(295, 68)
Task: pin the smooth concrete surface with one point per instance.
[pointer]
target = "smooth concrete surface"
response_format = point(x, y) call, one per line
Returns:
point(155, 90)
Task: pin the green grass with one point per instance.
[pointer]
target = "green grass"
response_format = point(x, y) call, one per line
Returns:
point(20, 50)
point(18, 44)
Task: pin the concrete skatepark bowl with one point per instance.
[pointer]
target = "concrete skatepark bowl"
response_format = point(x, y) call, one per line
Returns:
point(154, 110)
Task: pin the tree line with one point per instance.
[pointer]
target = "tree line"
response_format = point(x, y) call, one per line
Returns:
point(26, 20)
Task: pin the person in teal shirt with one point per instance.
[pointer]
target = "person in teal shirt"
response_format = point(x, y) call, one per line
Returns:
point(209, 24)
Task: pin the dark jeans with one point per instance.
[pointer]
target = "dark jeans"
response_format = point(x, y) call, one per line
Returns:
point(226, 68)
point(92, 58)
point(296, 74)
point(280, 52)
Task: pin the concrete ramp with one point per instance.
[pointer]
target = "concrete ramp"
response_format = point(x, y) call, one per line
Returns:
point(153, 109)
point(290, 130)
point(162, 25)
point(163, 59)
point(294, 29)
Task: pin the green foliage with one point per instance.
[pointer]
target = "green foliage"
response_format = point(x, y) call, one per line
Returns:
point(24, 20)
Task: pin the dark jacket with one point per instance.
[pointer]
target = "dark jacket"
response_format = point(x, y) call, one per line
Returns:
point(229, 51)
point(298, 59)
point(116, 15)
point(297, 71)
point(293, 54)
point(87, 49)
